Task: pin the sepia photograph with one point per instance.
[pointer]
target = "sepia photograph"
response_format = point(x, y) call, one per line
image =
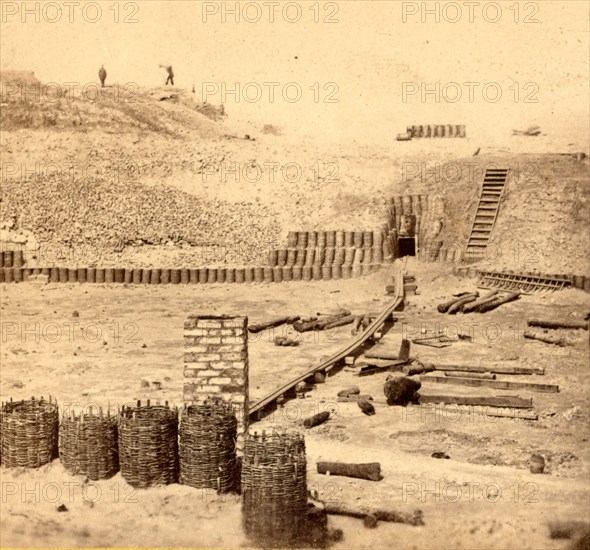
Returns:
point(295, 274)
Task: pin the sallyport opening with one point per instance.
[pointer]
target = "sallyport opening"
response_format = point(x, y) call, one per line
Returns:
point(406, 246)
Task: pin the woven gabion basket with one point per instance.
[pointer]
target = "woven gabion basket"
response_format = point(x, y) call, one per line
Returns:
point(207, 446)
point(29, 432)
point(88, 444)
point(148, 445)
point(274, 488)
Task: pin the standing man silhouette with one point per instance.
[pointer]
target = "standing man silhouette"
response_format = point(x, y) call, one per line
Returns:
point(102, 74)
point(170, 78)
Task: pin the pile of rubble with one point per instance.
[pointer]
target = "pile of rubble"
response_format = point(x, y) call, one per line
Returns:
point(106, 215)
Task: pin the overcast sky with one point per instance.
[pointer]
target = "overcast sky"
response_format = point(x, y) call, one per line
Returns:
point(357, 54)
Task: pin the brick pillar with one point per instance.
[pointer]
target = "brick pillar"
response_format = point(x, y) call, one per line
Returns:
point(216, 363)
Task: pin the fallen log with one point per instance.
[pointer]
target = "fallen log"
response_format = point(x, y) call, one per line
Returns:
point(259, 327)
point(318, 324)
point(352, 390)
point(356, 325)
point(344, 509)
point(503, 401)
point(479, 375)
point(495, 384)
point(458, 305)
point(546, 323)
point(340, 322)
point(491, 369)
point(444, 307)
point(370, 471)
point(409, 370)
point(497, 302)
point(484, 299)
point(366, 406)
point(316, 419)
point(457, 411)
point(353, 398)
point(547, 339)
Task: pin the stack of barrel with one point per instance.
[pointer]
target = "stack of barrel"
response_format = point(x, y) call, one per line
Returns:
point(12, 268)
point(326, 255)
point(437, 131)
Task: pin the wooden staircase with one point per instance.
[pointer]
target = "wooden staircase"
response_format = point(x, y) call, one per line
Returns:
point(486, 214)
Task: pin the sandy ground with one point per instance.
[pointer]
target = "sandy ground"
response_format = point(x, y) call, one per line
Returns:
point(482, 497)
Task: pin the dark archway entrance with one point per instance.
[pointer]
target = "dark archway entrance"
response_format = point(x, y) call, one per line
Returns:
point(406, 246)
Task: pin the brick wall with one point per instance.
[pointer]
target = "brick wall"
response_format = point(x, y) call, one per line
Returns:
point(216, 363)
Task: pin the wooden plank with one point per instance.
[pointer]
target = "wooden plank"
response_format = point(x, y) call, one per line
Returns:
point(348, 349)
point(457, 411)
point(496, 384)
point(491, 368)
point(481, 400)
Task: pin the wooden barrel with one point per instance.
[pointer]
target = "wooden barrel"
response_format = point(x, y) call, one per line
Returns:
point(356, 271)
point(377, 254)
point(322, 239)
point(310, 256)
point(460, 131)
point(221, 275)
point(377, 238)
point(193, 276)
point(109, 275)
point(230, 275)
point(81, 275)
point(273, 258)
point(268, 274)
point(249, 274)
point(17, 274)
point(240, 275)
point(340, 256)
point(203, 275)
point(302, 239)
point(136, 276)
point(18, 258)
point(2, 275)
point(154, 276)
point(258, 275)
point(277, 274)
point(349, 239)
point(329, 256)
point(119, 275)
point(450, 130)
point(330, 238)
point(326, 272)
point(8, 274)
point(91, 275)
point(63, 274)
point(282, 257)
point(175, 276)
point(320, 254)
point(336, 272)
point(316, 272)
point(46, 271)
point(100, 275)
point(128, 276)
point(292, 239)
point(301, 253)
point(359, 254)
point(368, 239)
point(365, 269)
point(291, 256)
point(211, 275)
point(578, 281)
point(348, 256)
point(297, 273)
point(8, 258)
point(1, 259)
point(287, 273)
point(339, 239)
point(165, 276)
point(312, 239)
point(145, 276)
point(358, 239)
point(306, 273)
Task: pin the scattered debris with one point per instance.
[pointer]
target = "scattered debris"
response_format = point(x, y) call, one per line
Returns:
point(62, 508)
point(547, 339)
point(547, 323)
point(366, 406)
point(400, 390)
point(259, 327)
point(75, 314)
point(490, 383)
point(284, 341)
point(346, 392)
point(316, 419)
point(537, 464)
point(370, 471)
point(503, 401)
point(530, 131)
point(344, 509)
point(440, 454)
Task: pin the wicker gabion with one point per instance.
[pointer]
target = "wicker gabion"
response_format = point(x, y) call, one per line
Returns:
point(274, 488)
point(29, 432)
point(148, 445)
point(88, 444)
point(207, 446)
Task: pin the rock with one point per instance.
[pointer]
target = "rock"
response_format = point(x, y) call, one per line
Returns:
point(537, 464)
point(62, 508)
point(352, 390)
point(366, 407)
point(75, 314)
point(400, 390)
point(145, 384)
